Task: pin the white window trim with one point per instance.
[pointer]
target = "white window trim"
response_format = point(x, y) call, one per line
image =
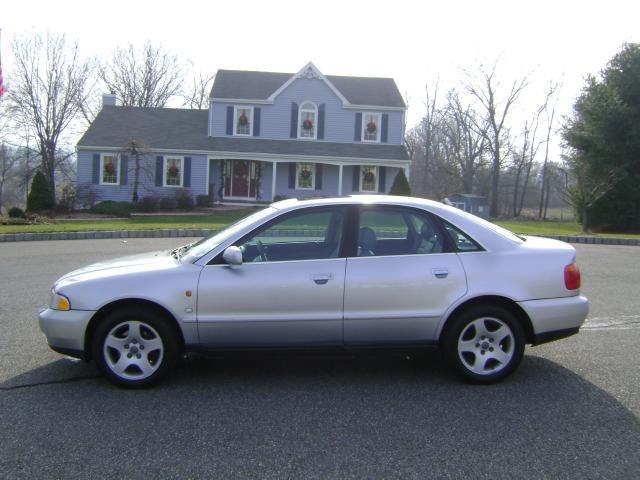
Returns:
point(377, 172)
point(315, 127)
point(235, 121)
point(378, 127)
point(117, 163)
point(459, 205)
point(164, 170)
point(313, 176)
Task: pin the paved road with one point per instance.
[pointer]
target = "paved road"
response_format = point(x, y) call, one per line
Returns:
point(571, 411)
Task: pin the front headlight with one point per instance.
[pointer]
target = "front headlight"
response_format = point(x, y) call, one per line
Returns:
point(59, 302)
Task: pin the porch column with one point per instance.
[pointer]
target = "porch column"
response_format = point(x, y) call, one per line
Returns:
point(273, 180)
point(340, 180)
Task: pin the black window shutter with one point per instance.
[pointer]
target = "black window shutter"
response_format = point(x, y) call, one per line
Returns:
point(292, 176)
point(159, 166)
point(318, 176)
point(384, 134)
point(229, 120)
point(382, 179)
point(356, 178)
point(294, 120)
point(256, 122)
point(321, 121)
point(124, 169)
point(95, 177)
point(187, 172)
point(357, 132)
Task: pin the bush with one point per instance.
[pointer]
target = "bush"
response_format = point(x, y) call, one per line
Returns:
point(86, 195)
point(16, 212)
point(15, 221)
point(400, 185)
point(202, 200)
point(110, 207)
point(279, 198)
point(39, 197)
point(168, 203)
point(184, 199)
point(148, 204)
point(67, 200)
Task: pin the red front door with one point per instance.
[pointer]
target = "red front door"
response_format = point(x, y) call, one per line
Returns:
point(239, 179)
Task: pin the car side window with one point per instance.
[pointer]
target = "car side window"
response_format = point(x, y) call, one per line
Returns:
point(461, 241)
point(397, 231)
point(309, 235)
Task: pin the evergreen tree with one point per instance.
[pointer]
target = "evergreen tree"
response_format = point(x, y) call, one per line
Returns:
point(39, 197)
point(400, 185)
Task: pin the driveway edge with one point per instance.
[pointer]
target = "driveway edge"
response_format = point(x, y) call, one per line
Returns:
point(202, 232)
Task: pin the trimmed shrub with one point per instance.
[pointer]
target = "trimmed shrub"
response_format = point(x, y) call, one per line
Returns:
point(15, 221)
point(184, 199)
point(279, 198)
point(168, 203)
point(148, 204)
point(110, 207)
point(16, 212)
point(202, 200)
point(400, 185)
point(39, 197)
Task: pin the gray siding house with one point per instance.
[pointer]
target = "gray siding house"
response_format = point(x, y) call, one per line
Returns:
point(264, 135)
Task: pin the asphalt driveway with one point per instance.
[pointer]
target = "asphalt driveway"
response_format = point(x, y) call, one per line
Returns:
point(571, 411)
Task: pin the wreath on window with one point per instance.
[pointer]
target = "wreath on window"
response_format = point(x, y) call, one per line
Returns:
point(242, 120)
point(240, 169)
point(307, 124)
point(371, 127)
point(109, 168)
point(369, 176)
point(173, 171)
point(305, 173)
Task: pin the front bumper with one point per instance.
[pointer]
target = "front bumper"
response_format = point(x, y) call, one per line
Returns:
point(554, 318)
point(65, 330)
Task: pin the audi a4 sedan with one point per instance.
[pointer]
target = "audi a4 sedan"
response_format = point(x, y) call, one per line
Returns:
point(341, 273)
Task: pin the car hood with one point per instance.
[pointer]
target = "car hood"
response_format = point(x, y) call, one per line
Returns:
point(143, 261)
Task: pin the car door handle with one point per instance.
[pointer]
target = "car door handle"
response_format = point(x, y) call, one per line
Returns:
point(440, 272)
point(321, 279)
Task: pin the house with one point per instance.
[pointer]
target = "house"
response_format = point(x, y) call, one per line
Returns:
point(476, 204)
point(265, 135)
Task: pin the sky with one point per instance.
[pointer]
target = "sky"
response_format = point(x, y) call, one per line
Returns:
point(415, 42)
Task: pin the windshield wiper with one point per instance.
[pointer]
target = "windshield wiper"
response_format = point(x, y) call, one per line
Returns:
point(180, 251)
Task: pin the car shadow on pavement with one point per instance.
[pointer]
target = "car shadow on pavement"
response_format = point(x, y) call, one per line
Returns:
point(320, 416)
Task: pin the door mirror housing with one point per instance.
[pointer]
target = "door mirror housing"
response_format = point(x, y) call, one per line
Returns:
point(232, 255)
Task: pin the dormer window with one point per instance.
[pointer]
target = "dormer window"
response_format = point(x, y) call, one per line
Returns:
point(243, 121)
point(371, 127)
point(307, 119)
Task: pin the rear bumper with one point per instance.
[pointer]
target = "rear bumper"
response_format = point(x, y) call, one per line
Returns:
point(554, 318)
point(65, 330)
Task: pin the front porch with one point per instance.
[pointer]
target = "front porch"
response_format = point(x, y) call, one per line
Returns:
point(264, 181)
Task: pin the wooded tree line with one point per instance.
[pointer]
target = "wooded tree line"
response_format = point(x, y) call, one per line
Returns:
point(53, 94)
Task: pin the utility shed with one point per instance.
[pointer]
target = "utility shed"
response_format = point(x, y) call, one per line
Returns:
point(475, 204)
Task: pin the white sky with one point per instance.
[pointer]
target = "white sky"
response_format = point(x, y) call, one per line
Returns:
point(414, 42)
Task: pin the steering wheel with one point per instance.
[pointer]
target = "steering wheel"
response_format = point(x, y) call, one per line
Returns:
point(261, 250)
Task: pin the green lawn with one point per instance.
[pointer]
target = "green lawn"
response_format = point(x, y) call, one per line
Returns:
point(220, 219)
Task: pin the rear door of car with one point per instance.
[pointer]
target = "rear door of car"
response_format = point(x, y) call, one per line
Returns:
point(402, 278)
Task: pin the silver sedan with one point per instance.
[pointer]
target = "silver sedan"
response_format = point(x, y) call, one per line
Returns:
point(343, 273)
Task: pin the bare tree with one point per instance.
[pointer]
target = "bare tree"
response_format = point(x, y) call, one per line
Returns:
point(137, 151)
point(49, 78)
point(544, 191)
point(146, 77)
point(197, 96)
point(485, 87)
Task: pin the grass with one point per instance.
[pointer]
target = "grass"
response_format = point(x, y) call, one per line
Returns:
point(220, 219)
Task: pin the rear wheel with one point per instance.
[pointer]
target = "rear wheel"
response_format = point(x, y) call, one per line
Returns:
point(484, 344)
point(135, 347)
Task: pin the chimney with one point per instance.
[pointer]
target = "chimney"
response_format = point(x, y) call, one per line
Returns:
point(110, 99)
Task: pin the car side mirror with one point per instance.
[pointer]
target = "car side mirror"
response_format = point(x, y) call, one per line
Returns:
point(232, 255)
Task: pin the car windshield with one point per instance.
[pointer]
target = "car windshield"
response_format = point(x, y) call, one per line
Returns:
point(207, 244)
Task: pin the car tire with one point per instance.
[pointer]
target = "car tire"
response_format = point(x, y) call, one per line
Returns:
point(135, 347)
point(483, 344)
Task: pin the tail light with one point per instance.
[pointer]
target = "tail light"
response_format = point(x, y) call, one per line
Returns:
point(572, 277)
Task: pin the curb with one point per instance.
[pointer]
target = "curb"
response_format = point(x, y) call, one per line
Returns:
point(203, 232)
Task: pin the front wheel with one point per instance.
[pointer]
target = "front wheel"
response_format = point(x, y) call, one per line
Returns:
point(484, 344)
point(134, 347)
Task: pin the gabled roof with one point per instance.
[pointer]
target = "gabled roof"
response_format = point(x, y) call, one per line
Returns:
point(182, 130)
point(263, 86)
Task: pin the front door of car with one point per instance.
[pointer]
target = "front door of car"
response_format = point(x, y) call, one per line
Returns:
point(287, 292)
point(401, 280)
